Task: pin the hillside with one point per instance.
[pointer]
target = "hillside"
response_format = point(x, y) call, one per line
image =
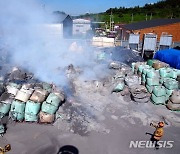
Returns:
point(161, 9)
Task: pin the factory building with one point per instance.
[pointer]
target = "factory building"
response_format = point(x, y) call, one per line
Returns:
point(81, 26)
point(157, 26)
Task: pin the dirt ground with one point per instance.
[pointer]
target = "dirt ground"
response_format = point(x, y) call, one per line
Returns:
point(96, 121)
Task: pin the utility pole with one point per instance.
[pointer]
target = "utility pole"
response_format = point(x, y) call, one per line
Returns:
point(111, 22)
point(132, 18)
point(171, 15)
point(146, 16)
point(151, 17)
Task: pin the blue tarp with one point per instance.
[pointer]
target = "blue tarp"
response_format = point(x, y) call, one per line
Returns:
point(170, 56)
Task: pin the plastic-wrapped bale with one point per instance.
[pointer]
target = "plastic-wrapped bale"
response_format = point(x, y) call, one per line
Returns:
point(158, 64)
point(175, 97)
point(5, 103)
point(152, 81)
point(151, 73)
point(49, 108)
point(150, 62)
point(158, 100)
point(119, 87)
point(172, 106)
point(12, 88)
point(132, 80)
point(162, 80)
point(46, 118)
point(17, 110)
point(7, 98)
point(168, 73)
point(149, 88)
point(174, 73)
point(141, 68)
point(38, 86)
point(140, 94)
point(47, 86)
point(4, 109)
point(39, 95)
point(61, 95)
point(136, 66)
point(169, 92)
point(164, 72)
point(159, 91)
point(53, 99)
point(171, 84)
point(24, 94)
point(31, 111)
point(147, 69)
point(2, 130)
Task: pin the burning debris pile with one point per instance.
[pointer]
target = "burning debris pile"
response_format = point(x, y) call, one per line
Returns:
point(23, 98)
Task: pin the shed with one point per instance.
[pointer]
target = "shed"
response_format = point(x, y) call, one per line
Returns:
point(65, 22)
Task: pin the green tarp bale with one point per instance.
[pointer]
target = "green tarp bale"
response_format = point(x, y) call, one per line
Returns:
point(171, 84)
point(150, 62)
point(48, 108)
point(32, 107)
point(17, 110)
point(158, 100)
point(152, 81)
point(119, 87)
point(159, 91)
point(151, 73)
point(2, 130)
point(53, 99)
point(4, 109)
point(149, 88)
point(31, 117)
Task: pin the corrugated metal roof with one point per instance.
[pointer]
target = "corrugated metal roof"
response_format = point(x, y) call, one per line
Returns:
point(150, 23)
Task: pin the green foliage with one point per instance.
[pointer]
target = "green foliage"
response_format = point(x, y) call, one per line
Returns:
point(161, 9)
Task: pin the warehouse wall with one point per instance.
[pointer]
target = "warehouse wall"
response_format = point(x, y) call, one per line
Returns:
point(173, 29)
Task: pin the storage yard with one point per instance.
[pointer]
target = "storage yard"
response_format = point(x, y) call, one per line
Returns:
point(117, 107)
point(74, 85)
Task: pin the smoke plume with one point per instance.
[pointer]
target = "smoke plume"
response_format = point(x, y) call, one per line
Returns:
point(23, 28)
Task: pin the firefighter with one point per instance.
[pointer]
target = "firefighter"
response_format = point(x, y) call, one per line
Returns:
point(158, 133)
point(5, 149)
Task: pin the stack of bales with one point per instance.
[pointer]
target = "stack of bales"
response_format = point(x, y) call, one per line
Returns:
point(30, 102)
point(159, 79)
point(34, 104)
point(17, 111)
point(168, 79)
point(152, 79)
point(158, 95)
point(49, 108)
point(7, 98)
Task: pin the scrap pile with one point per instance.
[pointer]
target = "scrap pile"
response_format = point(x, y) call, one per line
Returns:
point(25, 99)
point(161, 81)
point(152, 80)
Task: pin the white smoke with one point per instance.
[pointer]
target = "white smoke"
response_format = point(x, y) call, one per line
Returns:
point(21, 28)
